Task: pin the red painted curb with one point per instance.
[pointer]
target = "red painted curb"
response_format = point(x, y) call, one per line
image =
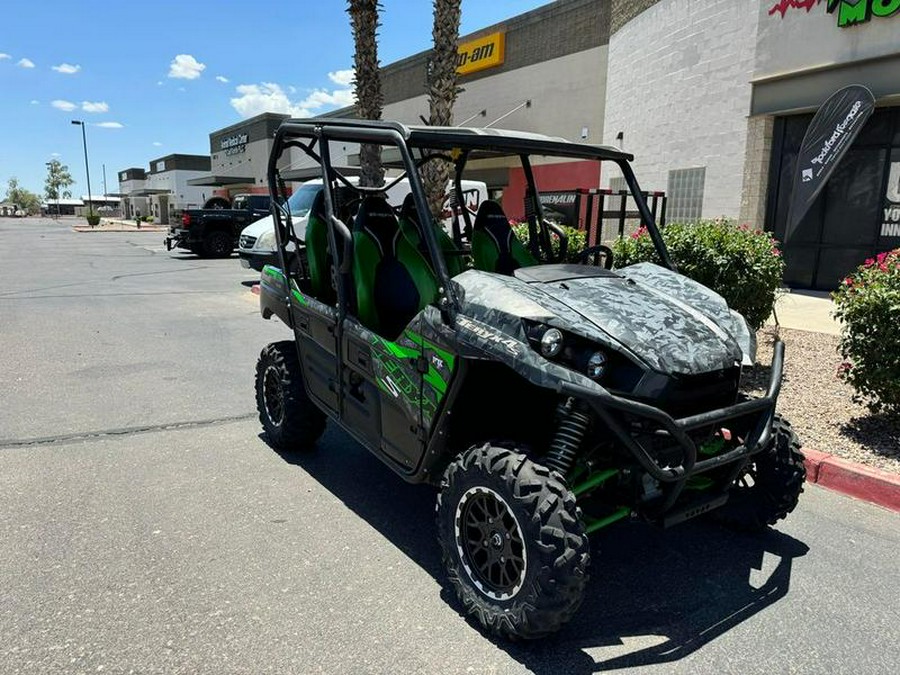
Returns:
point(814, 460)
point(856, 480)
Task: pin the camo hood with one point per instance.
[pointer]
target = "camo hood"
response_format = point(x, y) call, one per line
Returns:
point(668, 322)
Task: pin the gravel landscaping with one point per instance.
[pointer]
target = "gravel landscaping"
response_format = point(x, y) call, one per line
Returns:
point(820, 406)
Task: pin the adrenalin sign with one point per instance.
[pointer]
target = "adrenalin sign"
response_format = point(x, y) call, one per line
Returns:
point(830, 134)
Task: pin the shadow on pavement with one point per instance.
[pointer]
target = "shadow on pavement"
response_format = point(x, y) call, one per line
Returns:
point(655, 595)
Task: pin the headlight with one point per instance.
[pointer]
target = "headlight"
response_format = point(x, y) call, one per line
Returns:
point(266, 241)
point(596, 365)
point(551, 342)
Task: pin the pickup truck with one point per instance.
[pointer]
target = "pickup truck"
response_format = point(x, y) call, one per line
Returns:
point(213, 233)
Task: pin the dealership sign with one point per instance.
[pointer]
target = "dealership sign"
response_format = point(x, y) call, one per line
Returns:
point(234, 145)
point(485, 52)
point(849, 12)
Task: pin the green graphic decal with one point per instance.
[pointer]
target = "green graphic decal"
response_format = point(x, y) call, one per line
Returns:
point(276, 273)
point(397, 371)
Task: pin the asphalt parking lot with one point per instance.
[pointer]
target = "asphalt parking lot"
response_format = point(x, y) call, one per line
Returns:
point(146, 527)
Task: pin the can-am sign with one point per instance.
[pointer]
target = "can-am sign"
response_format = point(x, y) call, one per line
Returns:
point(849, 12)
point(484, 52)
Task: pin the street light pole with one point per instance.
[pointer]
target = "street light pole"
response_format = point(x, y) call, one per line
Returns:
point(87, 171)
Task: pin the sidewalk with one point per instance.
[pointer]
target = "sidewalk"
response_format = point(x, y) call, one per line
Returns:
point(118, 225)
point(805, 310)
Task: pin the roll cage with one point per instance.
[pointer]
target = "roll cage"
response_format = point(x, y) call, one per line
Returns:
point(415, 146)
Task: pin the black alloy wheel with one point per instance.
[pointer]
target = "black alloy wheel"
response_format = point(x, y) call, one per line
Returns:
point(512, 542)
point(489, 542)
point(218, 244)
point(290, 420)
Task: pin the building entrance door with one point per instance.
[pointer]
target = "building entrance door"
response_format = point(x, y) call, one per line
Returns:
point(844, 226)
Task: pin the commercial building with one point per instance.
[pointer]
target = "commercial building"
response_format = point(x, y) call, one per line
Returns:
point(240, 157)
point(165, 189)
point(714, 96)
point(711, 96)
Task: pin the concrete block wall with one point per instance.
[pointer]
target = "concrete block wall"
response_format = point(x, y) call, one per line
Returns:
point(560, 106)
point(678, 88)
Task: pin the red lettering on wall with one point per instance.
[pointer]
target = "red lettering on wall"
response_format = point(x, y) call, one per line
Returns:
point(782, 6)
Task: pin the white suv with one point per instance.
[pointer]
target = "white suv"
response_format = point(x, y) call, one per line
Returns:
point(256, 245)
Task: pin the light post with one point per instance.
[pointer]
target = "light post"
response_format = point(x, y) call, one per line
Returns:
point(87, 171)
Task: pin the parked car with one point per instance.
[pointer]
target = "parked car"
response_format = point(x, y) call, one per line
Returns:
point(257, 247)
point(213, 233)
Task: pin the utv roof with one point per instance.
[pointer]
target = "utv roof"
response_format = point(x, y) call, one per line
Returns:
point(501, 141)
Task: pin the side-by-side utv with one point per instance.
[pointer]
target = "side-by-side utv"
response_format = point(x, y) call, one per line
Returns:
point(545, 399)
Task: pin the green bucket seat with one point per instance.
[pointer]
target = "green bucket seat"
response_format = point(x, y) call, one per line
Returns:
point(495, 247)
point(409, 225)
point(393, 281)
point(318, 255)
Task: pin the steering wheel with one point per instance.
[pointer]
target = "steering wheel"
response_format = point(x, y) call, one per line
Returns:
point(592, 255)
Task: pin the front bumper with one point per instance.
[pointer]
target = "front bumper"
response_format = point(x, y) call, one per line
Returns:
point(760, 412)
point(256, 260)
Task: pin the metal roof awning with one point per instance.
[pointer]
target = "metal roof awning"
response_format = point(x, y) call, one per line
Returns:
point(214, 180)
point(149, 192)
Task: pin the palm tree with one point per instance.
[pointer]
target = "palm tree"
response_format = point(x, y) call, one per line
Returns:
point(367, 82)
point(442, 92)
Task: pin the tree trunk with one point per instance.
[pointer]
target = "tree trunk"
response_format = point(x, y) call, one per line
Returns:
point(367, 83)
point(442, 92)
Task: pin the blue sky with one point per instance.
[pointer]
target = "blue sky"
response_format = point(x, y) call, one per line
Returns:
point(155, 78)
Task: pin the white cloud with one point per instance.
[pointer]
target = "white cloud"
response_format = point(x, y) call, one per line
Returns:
point(55, 154)
point(160, 83)
point(109, 125)
point(343, 78)
point(66, 68)
point(221, 78)
point(34, 101)
point(157, 144)
point(4, 56)
point(95, 106)
point(25, 63)
point(270, 97)
point(186, 67)
point(59, 104)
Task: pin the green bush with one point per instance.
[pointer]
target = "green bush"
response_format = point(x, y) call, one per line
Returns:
point(742, 265)
point(93, 220)
point(577, 238)
point(867, 303)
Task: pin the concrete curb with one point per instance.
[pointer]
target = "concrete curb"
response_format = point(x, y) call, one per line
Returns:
point(856, 480)
point(114, 228)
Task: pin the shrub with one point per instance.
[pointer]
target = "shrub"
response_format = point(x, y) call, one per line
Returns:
point(742, 265)
point(867, 303)
point(577, 238)
point(93, 220)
